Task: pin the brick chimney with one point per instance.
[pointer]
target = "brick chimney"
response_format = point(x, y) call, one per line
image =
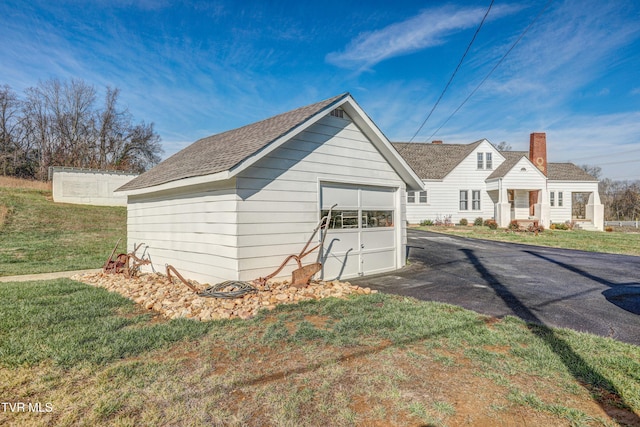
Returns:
point(538, 150)
point(437, 141)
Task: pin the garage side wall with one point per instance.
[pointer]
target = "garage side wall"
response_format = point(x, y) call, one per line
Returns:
point(280, 194)
point(192, 229)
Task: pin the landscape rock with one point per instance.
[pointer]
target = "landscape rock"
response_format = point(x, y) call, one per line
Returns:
point(174, 300)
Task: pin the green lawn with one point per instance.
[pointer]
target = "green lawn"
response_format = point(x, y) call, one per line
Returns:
point(614, 242)
point(39, 236)
point(369, 360)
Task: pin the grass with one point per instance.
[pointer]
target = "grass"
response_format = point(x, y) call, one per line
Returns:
point(39, 236)
point(369, 360)
point(616, 242)
point(98, 359)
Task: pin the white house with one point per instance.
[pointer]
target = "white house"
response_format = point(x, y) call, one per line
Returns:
point(477, 180)
point(232, 206)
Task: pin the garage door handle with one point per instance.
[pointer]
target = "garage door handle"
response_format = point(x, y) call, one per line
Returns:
point(362, 246)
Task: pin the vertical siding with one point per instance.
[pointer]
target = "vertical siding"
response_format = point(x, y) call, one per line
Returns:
point(280, 201)
point(194, 230)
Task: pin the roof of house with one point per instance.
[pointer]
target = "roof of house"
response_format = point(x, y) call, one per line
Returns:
point(434, 161)
point(511, 158)
point(223, 151)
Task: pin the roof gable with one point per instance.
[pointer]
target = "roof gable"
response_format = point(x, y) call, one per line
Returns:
point(514, 166)
point(223, 151)
point(434, 161)
point(225, 154)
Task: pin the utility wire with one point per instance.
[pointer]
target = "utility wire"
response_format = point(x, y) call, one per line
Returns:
point(494, 67)
point(454, 73)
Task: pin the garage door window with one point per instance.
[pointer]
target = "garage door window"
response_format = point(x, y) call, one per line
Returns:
point(348, 219)
point(377, 219)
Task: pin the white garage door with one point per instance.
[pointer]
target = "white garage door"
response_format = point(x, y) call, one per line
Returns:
point(361, 238)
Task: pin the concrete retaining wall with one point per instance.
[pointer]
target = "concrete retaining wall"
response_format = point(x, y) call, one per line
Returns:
point(88, 186)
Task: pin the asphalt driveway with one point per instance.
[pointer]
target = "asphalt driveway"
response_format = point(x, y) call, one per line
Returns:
point(585, 291)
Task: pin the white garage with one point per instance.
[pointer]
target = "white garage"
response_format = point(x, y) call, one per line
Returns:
point(234, 205)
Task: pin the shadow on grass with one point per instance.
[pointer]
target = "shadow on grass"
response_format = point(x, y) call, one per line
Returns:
point(588, 377)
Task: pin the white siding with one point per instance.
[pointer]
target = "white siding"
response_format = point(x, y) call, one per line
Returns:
point(193, 230)
point(444, 196)
point(563, 213)
point(280, 200)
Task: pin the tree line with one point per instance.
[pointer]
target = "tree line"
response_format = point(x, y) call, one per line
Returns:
point(61, 123)
point(621, 199)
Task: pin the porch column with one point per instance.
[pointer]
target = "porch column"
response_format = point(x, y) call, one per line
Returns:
point(595, 211)
point(542, 208)
point(503, 207)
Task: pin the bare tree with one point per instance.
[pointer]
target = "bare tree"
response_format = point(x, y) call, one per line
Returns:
point(504, 146)
point(594, 171)
point(57, 124)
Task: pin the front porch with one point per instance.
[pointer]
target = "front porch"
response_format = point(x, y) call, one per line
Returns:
point(526, 206)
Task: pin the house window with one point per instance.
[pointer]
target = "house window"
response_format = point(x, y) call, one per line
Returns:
point(423, 197)
point(480, 161)
point(475, 200)
point(552, 198)
point(411, 196)
point(489, 162)
point(560, 198)
point(464, 200)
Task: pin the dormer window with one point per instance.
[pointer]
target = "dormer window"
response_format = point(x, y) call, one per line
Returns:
point(338, 112)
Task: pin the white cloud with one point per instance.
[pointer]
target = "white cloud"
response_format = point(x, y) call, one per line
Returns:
point(427, 29)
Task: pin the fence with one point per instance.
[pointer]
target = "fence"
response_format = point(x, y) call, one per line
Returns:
point(635, 224)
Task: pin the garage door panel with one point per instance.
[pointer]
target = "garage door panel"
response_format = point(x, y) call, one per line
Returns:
point(337, 266)
point(345, 197)
point(342, 242)
point(378, 239)
point(378, 261)
point(377, 198)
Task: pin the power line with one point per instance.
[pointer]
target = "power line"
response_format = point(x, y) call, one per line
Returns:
point(494, 68)
point(607, 154)
point(454, 72)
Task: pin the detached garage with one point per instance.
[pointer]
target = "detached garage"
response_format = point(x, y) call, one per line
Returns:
point(232, 206)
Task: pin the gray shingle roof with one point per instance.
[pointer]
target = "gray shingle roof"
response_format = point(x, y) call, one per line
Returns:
point(434, 161)
point(511, 158)
point(568, 172)
point(223, 151)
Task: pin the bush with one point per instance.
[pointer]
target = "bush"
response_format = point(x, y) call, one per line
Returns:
point(491, 224)
point(608, 229)
point(535, 229)
point(514, 226)
point(560, 226)
point(478, 221)
point(426, 222)
point(464, 221)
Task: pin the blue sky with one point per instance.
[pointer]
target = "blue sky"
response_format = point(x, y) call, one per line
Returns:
point(196, 68)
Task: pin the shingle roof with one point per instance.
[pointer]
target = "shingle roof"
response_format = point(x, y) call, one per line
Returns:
point(555, 171)
point(434, 161)
point(511, 158)
point(223, 151)
point(568, 172)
